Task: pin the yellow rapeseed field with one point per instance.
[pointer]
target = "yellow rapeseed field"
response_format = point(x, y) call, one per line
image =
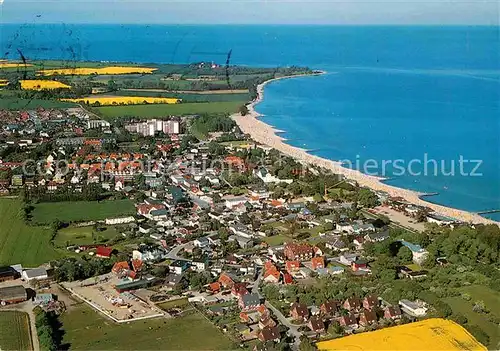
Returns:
point(98, 71)
point(6, 64)
point(125, 100)
point(35, 84)
point(430, 334)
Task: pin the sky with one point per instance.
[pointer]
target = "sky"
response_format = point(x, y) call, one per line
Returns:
point(425, 12)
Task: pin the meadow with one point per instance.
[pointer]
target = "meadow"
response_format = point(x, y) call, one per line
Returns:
point(47, 212)
point(123, 100)
point(491, 300)
point(162, 110)
point(20, 243)
point(84, 329)
point(15, 331)
point(429, 334)
point(82, 236)
point(36, 84)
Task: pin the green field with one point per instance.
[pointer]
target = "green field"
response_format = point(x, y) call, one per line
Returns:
point(179, 303)
point(20, 243)
point(47, 212)
point(15, 331)
point(13, 103)
point(490, 298)
point(82, 236)
point(163, 110)
point(84, 329)
point(186, 97)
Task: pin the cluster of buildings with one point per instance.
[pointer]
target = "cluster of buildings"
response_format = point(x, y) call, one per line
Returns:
point(153, 126)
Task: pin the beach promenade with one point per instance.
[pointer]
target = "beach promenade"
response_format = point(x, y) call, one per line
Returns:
point(265, 134)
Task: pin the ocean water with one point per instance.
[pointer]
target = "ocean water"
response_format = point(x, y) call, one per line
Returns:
point(426, 97)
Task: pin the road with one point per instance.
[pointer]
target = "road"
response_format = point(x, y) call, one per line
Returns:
point(28, 308)
point(293, 330)
point(174, 253)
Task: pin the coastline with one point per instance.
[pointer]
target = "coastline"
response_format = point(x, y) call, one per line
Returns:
point(267, 135)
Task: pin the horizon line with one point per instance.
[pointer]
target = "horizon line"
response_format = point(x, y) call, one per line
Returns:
point(268, 24)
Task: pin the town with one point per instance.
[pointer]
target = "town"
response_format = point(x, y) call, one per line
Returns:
point(140, 221)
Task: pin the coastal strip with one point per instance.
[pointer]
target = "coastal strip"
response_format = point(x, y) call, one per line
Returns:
point(267, 135)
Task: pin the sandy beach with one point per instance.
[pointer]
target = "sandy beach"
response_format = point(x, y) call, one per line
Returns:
point(265, 134)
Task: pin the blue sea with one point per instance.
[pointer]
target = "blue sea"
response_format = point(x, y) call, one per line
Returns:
point(426, 97)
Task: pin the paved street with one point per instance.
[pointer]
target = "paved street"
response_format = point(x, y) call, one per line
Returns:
point(293, 329)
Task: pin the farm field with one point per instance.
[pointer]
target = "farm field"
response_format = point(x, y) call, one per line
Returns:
point(47, 212)
point(35, 84)
point(430, 334)
point(125, 100)
point(84, 329)
point(188, 97)
point(14, 103)
point(154, 111)
point(20, 243)
point(15, 331)
point(82, 236)
point(491, 300)
point(109, 70)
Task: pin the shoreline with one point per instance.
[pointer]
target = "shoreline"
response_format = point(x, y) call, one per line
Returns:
point(265, 134)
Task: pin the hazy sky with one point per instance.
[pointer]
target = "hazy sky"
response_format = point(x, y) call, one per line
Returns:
point(252, 11)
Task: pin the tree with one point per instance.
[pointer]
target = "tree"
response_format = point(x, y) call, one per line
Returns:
point(271, 292)
point(243, 110)
point(306, 344)
point(367, 198)
point(405, 255)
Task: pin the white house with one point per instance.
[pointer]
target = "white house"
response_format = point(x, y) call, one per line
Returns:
point(419, 254)
point(416, 308)
point(233, 201)
point(119, 220)
point(267, 177)
point(36, 273)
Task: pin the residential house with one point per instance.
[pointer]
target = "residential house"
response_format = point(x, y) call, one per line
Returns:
point(299, 312)
point(239, 289)
point(249, 302)
point(353, 304)
point(336, 244)
point(392, 312)
point(298, 251)
point(370, 302)
point(178, 267)
point(269, 334)
point(268, 178)
point(292, 267)
point(419, 254)
point(347, 258)
point(367, 317)
point(226, 281)
point(414, 308)
point(359, 265)
point(266, 321)
point(329, 308)
point(317, 263)
point(149, 253)
point(377, 236)
point(348, 321)
point(316, 324)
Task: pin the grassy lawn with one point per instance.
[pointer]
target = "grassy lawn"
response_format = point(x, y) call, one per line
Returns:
point(490, 298)
point(86, 330)
point(276, 240)
point(82, 236)
point(15, 331)
point(47, 212)
point(179, 303)
point(163, 110)
point(20, 243)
